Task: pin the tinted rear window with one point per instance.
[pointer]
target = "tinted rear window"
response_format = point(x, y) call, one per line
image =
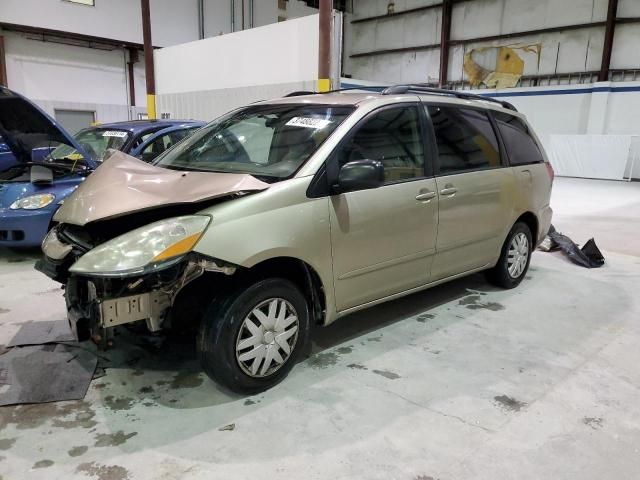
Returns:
point(465, 138)
point(522, 149)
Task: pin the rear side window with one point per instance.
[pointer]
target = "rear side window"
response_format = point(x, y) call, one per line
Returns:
point(465, 138)
point(394, 137)
point(522, 149)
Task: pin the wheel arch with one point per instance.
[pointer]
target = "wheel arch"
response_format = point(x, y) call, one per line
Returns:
point(298, 272)
point(531, 221)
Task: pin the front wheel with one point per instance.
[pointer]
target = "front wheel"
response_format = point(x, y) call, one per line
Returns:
point(514, 258)
point(250, 339)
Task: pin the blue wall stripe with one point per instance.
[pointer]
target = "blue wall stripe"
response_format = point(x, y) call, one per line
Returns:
point(536, 93)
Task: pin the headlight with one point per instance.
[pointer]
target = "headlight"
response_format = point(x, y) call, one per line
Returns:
point(33, 202)
point(145, 249)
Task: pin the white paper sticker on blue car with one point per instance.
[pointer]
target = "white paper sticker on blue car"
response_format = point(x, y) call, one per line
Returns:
point(114, 133)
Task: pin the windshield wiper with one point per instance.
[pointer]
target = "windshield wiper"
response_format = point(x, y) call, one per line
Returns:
point(75, 166)
point(179, 168)
point(182, 168)
point(266, 178)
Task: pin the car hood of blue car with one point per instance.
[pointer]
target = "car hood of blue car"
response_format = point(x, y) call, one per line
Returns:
point(24, 126)
point(61, 188)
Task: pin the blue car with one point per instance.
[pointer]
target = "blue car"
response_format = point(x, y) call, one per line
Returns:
point(44, 163)
point(7, 158)
point(144, 139)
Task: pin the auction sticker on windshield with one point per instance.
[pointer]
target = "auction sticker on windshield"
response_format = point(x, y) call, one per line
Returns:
point(306, 122)
point(114, 133)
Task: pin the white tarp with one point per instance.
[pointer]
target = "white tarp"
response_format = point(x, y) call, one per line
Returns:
point(590, 156)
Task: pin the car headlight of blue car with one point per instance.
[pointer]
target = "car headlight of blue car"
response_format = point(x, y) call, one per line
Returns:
point(33, 202)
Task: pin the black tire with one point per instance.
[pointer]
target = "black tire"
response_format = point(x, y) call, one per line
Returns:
point(220, 329)
point(499, 275)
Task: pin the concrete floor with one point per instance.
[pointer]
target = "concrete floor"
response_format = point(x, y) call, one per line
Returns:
point(459, 382)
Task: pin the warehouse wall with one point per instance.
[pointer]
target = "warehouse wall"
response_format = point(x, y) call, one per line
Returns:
point(69, 77)
point(58, 75)
point(595, 113)
point(562, 52)
point(207, 78)
point(172, 21)
point(265, 12)
point(592, 111)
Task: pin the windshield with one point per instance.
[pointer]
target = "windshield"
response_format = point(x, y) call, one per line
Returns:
point(270, 141)
point(95, 141)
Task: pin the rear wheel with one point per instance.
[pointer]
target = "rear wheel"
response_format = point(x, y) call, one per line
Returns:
point(250, 339)
point(514, 258)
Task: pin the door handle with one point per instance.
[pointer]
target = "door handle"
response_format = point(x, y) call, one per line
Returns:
point(425, 196)
point(448, 191)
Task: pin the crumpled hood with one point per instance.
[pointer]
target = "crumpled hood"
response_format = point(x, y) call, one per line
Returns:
point(124, 185)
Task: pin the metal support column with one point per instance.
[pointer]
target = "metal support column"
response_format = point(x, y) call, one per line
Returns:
point(133, 59)
point(445, 36)
point(3, 63)
point(148, 60)
point(200, 19)
point(324, 57)
point(233, 16)
point(610, 29)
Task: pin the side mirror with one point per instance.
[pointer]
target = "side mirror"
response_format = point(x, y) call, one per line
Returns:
point(360, 175)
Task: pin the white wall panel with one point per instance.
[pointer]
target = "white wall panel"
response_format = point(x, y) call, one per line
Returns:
point(172, 21)
point(74, 78)
point(626, 43)
point(481, 18)
point(104, 113)
point(397, 68)
point(264, 13)
point(372, 8)
point(281, 53)
point(622, 113)
point(587, 115)
point(296, 9)
point(628, 8)
point(565, 51)
point(210, 104)
point(43, 70)
point(217, 15)
point(420, 28)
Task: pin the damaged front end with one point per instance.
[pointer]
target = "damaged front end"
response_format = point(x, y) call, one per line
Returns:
point(120, 281)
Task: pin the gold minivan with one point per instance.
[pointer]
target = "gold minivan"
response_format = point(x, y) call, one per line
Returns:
point(296, 211)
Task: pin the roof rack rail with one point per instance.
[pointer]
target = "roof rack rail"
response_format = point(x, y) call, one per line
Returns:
point(372, 88)
point(418, 88)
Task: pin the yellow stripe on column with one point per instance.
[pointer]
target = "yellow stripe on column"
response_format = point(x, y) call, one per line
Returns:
point(324, 85)
point(151, 107)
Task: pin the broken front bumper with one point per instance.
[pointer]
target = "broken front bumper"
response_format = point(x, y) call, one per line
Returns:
point(95, 303)
point(89, 313)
